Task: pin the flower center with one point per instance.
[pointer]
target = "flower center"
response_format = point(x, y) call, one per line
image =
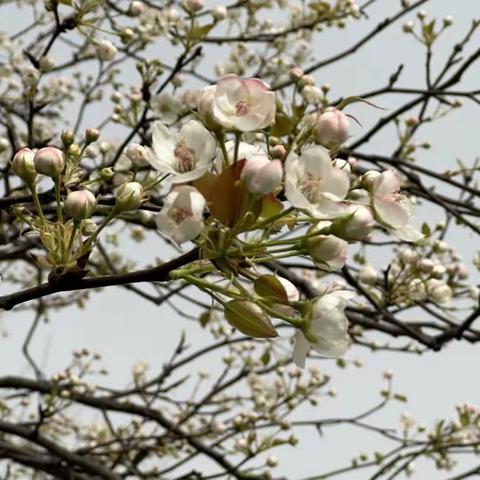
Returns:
point(241, 108)
point(310, 188)
point(179, 214)
point(185, 158)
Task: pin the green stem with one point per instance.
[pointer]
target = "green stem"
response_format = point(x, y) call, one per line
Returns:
point(105, 222)
point(238, 137)
point(68, 253)
point(37, 203)
point(221, 140)
point(58, 183)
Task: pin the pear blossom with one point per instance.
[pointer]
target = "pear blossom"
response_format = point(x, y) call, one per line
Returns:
point(391, 208)
point(325, 327)
point(181, 217)
point(187, 155)
point(243, 104)
point(261, 175)
point(314, 184)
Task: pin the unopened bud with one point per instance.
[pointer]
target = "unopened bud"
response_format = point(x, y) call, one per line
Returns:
point(129, 196)
point(91, 135)
point(219, 13)
point(106, 173)
point(193, 5)
point(49, 161)
point(249, 318)
point(80, 204)
point(261, 175)
point(106, 51)
point(24, 166)
point(331, 128)
point(136, 8)
point(136, 154)
point(67, 137)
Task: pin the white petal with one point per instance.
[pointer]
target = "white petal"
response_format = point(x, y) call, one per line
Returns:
point(163, 143)
point(408, 233)
point(300, 349)
point(386, 183)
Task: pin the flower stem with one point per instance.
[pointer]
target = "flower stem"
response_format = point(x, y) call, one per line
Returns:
point(58, 183)
point(68, 252)
point(37, 203)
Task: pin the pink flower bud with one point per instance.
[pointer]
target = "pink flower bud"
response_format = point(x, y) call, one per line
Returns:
point(295, 74)
point(80, 204)
point(331, 128)
point(49, 161)
point(129, 196)
point(261, 175)
point(194, 5)
point(23, 165)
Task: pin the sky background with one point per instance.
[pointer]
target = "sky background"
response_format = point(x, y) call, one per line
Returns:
point(125, 329)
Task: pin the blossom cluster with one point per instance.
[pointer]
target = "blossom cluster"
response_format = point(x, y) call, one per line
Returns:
point(246, 194)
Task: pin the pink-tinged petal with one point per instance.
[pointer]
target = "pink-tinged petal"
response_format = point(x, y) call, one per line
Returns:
point(389, 212)
point(254, 85)
point(386, 183)
point(301, 348)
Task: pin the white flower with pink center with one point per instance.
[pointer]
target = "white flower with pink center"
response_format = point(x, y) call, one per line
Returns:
point(181, 217)
point(314, 184)
point(325, 327)
point(187, 155)
point(240, 104)
point(391, 208)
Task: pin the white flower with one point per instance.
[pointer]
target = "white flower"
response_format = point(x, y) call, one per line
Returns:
point(391, 208)
point(314, 184)
point(243, 104)
point(181, 217)
point(187, 155)
point(166, 107)
point(325, 328)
